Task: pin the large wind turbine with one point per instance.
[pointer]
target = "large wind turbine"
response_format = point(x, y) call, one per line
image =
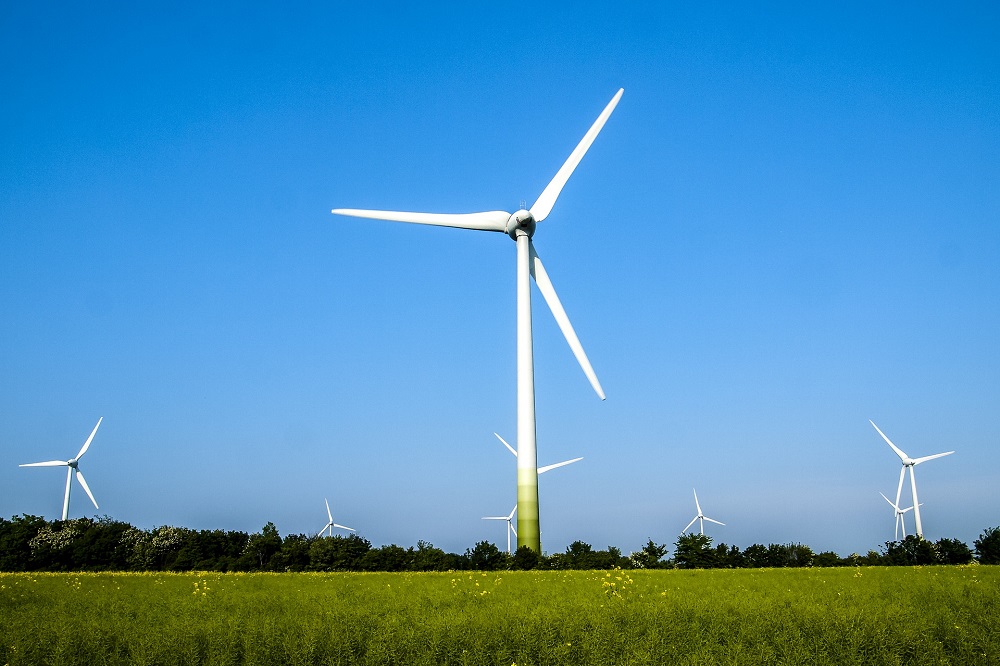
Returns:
point(700, 517)
point(520, 226)
point(910, 463)
point(330, 524)
point(72, 465)
point(510, 527)
point(899, 517)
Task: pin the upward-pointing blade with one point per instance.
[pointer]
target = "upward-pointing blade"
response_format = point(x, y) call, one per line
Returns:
point(86, 488)
point(329, 515)
point(504, 442)
point(86, 445)
point(697, 505)
point(902, 456)
point(494, 220)
point(549, 294)
point(543, 206)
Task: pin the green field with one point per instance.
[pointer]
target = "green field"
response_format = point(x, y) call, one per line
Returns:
point(896, 615)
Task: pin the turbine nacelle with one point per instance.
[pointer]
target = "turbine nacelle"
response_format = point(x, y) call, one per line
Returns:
point(520, 223)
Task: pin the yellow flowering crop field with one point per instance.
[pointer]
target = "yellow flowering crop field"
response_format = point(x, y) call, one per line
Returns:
point(898, 615)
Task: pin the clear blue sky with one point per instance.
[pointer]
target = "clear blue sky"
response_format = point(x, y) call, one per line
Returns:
point(788, 226)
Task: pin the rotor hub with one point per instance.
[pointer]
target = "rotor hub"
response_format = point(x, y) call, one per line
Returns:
point(521, 223)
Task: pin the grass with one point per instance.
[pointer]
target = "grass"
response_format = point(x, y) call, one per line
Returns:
point(876, 615)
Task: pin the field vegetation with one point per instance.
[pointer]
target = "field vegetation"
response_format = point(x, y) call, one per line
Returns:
point(845, 615)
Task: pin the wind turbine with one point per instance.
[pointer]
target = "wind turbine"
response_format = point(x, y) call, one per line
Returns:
point(330, 525)
point(520, 226)
point(899, 517)
point(541, 470)
point(72, 465)
point(700, 517)
point(510, 526)
point(910, 463)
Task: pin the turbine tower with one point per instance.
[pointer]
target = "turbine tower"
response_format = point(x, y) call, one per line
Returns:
point(330, 525)
point(510, 527)
point(520, 226)
point(899, 517)
point(700, 517)
point(72, 465)
point(910, 463)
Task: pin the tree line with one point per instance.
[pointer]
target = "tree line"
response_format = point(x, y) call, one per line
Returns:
point(31, 543)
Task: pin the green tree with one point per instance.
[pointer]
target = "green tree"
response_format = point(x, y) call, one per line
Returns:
point(988, 546)
point(952, 551)
point(650, 557)
point(261, 547)
point(15, 536)
point(525, 559)
point(911, 551)
point(485, 556)
point(693, 551)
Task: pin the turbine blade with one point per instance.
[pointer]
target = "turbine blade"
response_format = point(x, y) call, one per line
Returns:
point(511, 515)
point(549, 293)
point(504, 442)
point(696, 504)
point(936, 455)
point(86, 488)
point(494, 517)
point(689, 525)
point(542, 470)
point(49, 463)
point(494, 220)
point(328, 514)
point(712, 520)
point(890, 502)
point(543, 205)
point(345, 527)
point(902, 456)
point(512, 529)
point(86, 445)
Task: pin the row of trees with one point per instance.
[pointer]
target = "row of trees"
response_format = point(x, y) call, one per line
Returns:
point(695, 551)
point(30, 543)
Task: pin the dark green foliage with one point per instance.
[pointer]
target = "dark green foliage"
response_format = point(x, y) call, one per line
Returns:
point(828, 558)
point(913, 550)
point(485, 556)
point(338, 553)
point(694, 551)
point(952, 551)
point(988, 546)
point(525, 559)
point(650, 557)
point(294, 554)
point(581, 555)
point(15, 536)
point(30, 543)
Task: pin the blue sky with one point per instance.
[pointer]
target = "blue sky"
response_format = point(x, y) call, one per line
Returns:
point(789, 226)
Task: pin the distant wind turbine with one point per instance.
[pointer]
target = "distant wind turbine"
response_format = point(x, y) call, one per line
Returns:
point(899, 517)
point(73, 465)
point(541, 470)
point(510, 526)
point(330, 525)
point(520, 226)
point(700, 517)
point(910, 463)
